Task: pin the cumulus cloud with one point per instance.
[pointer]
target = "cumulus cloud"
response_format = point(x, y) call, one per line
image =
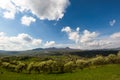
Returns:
point(66, 29)
point(75, 35)
point(112, 23)
point(20, 42)
point(115, 35)
point(91, 40)
point(50, 9)
point(9, 15)
point(49, 43)
point(25, 20)
point(2, 34)
point(72, 35)
point(9, 9)
point(88, 36)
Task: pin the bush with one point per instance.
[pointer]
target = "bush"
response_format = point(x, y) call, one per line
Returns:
point(69, 66)
point(118, 54)
point(30, 67)
point(45, 66)
point(5, 65)
point(118, 58)
point(8, 66)
point(98, 60)
point(82, 64)
point(0, 63)
point(15, 62)
point(20, 67)
point(60, 66)
point(40, 67)
point(51, 65)
point(11, 67)
point(112, 58)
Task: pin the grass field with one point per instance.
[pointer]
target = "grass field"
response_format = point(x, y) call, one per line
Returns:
point(106, 72)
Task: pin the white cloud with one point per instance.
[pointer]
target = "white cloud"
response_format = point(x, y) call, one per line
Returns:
point(112, 23)
point(50, 9)
point(25, 20)
point(20, 42)
point(91, 40)
point(88, 36)
point(115, 35)
point(36, 42)
point(49, 43)
point(66, 29)
point(9, 9)
point(73, 35)
point(77, 29)
point(9, 15)
point(2, 34)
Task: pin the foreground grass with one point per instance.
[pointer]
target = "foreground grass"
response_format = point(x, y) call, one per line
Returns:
point(106, 72)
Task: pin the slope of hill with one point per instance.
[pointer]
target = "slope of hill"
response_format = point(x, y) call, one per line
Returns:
point(60, 51)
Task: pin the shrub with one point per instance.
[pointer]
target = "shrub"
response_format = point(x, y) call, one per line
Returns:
point(11, 67)
point(42, 66)
point(60, 66)
point(69, 66)
point(5, 59)
point(51, 65)
point(82, 63)
point(30, 67)
point(8, 66)
point(112, 58)
point(118, 54)
point(118, 58)
point(35, 67)
point(98, 60)
point(20, 67)
point(15, 62)
point(5, 64)
point(0, 63)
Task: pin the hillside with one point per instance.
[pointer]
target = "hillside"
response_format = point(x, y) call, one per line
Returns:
point(60, 51)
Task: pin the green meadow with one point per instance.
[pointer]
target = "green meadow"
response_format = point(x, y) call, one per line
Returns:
point(106, 72)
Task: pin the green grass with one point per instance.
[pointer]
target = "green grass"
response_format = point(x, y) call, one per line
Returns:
point(106, 72)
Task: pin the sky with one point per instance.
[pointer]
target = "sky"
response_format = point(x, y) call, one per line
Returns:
point(78, 24)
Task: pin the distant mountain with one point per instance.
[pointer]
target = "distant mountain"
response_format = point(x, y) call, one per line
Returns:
point(59, 51)
point(111, 49)
point(117, 48)
point(37, 49)
point(51, 49)
point(54, 48)
point(1, 51)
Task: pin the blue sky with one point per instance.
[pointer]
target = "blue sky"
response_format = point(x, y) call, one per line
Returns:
point(83, 24)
